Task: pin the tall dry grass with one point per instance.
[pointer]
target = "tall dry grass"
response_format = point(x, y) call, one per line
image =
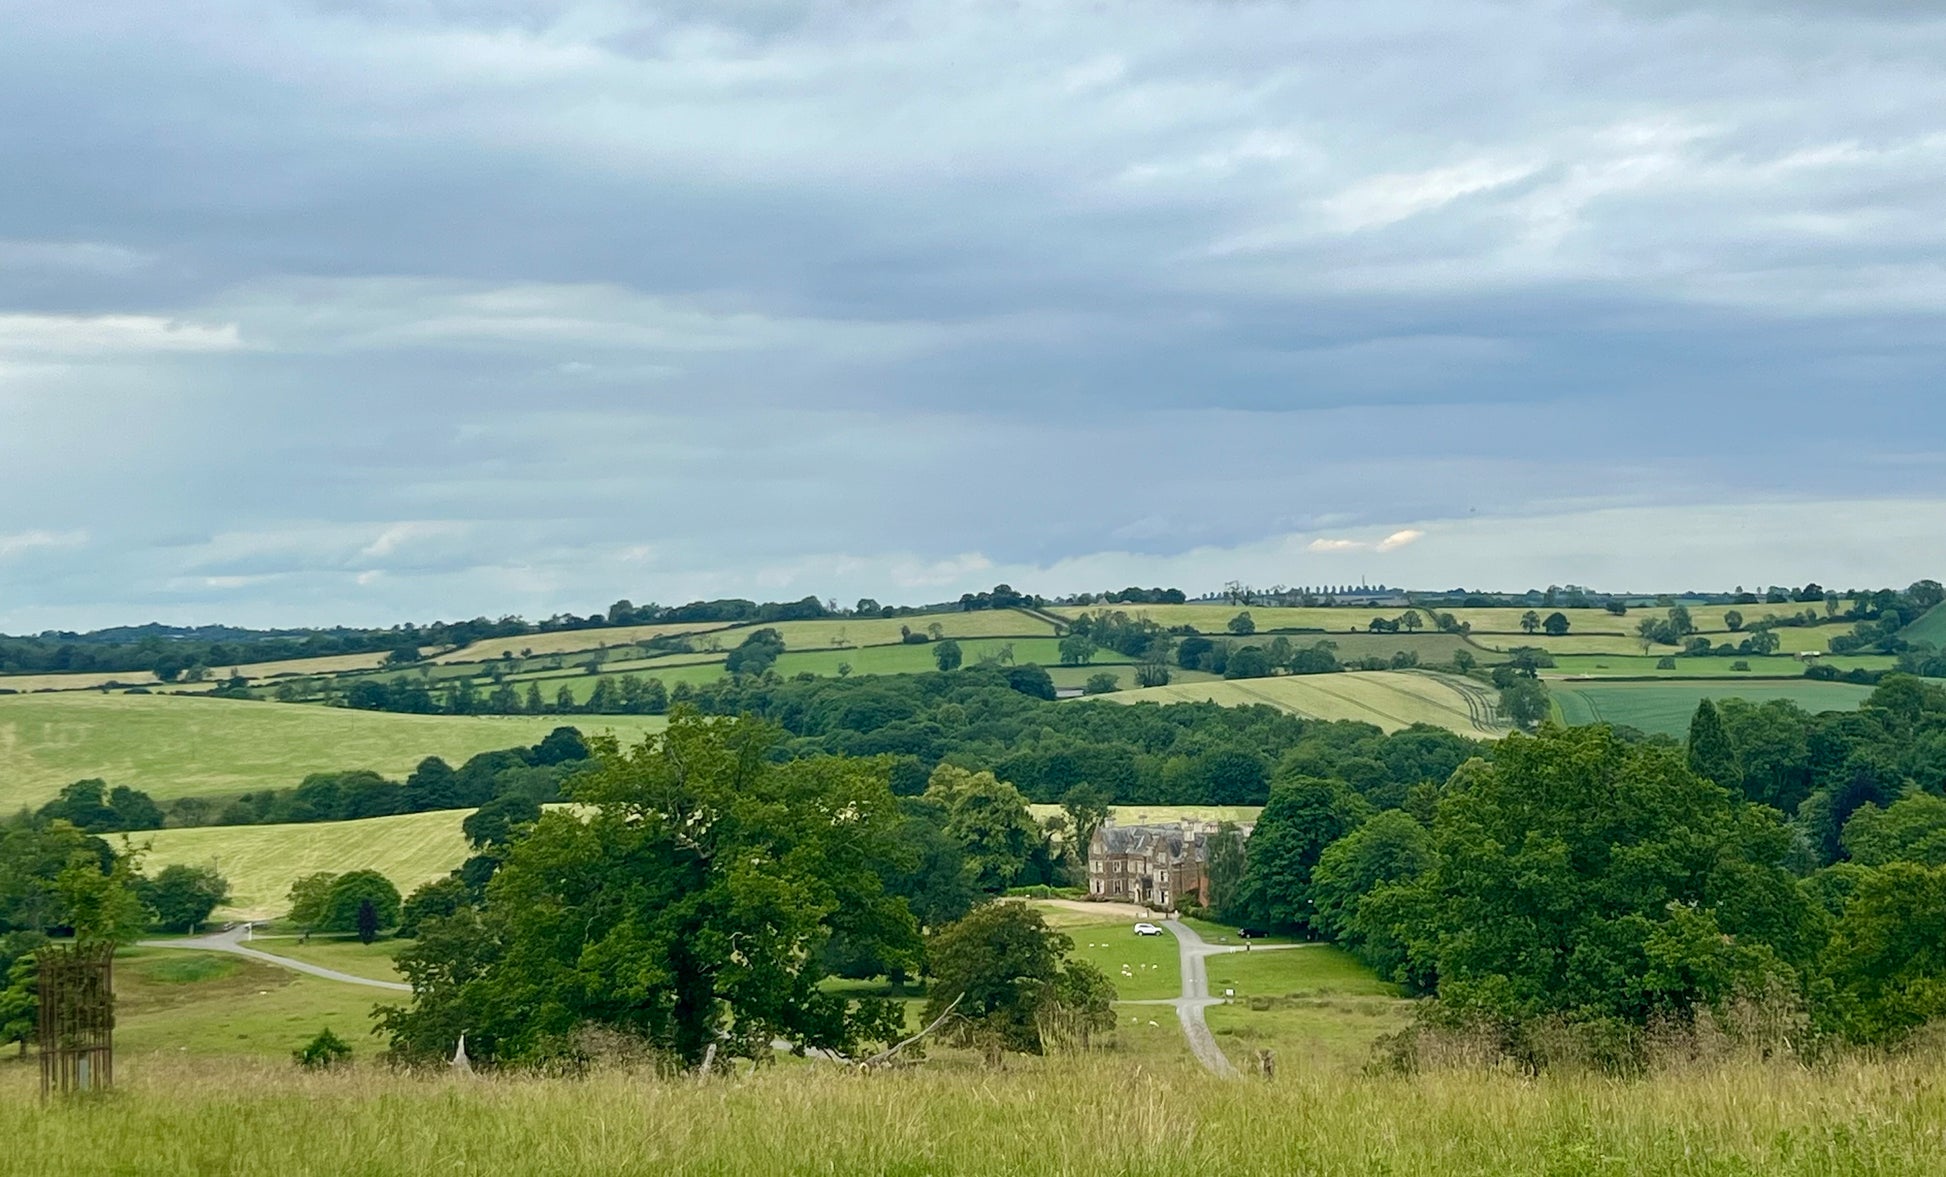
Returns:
point(1085, 1115)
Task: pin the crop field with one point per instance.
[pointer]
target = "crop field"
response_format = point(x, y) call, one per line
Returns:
point(570, 641)
point(1640, 666)
point(1389, 699)
point(173, 746)
point(1667, 706)
point(262, 862)
point(1135, 815)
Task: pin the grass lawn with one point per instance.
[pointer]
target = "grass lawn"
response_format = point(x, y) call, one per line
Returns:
point(1309, 970)
point(174, 1002)
point(344, 953)
point(1141, 967)
point(261, 862)
point(1388, 699)
point(1150, 1034)
point(178, 746)
point(1667, 707)
point(1217, 933)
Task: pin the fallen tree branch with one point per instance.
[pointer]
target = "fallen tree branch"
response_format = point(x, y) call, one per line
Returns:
point(885, 1056)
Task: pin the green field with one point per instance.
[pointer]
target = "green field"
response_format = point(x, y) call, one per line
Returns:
point(1667, 707)
point(377, 960)
point(172, 746)
point(1390, 699)
point(262, 862)
point(1638, 666)
point(1930, 627)
point(172, 1003)
point(1142, 968)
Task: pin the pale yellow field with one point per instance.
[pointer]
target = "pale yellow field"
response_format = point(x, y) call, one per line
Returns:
point(884, 631)
point(1572, 643)
point(1135, 815)
point(261, 862)
point(85, 681)
point(570, 641)
point(328, 664)
point(1389, 699)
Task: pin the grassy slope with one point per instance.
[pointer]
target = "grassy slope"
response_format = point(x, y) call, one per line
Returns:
point(1389, 699)
point(261, 862)
point(173, 1002)
point(1929, 627)
point(1667, 706)
point(1635, 665)
point(176, 747)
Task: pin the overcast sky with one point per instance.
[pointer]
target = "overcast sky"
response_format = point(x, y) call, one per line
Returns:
point(360, 311)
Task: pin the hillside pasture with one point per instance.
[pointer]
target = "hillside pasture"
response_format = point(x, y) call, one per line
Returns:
point(180, 1004)
point(571, 641)
point(177, 746)
point(1388, 699)
point(1666, 707)
point(1930, 627)
point(261, 862)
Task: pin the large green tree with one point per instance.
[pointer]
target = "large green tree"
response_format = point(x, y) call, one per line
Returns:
point(183, 896)
point(1003, 974)
point(1303, 816)
point(1581, 876)
point(990, 819)
point(683, 903)
point(1712, 754)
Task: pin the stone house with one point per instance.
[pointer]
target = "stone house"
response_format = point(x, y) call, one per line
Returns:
point(1156, 866)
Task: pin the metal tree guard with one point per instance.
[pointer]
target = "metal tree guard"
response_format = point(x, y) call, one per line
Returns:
point(77, 1026)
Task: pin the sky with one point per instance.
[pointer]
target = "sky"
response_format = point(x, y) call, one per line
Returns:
point(357, 312)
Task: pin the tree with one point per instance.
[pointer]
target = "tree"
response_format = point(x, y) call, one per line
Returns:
point(1887, 956)
point(681, 904)
point(1523, 702)
point(1303, 816)
point(366, 921)
point(1530, 621)
point(1076, 649)
point(182, 897)
point(1411, 620)
point(1243, 624)
point(103, 902)
point(756, 654)
point(1101, 684)
point(1389, 848)
point(1248, 662)
point(1000, 971)
point(1087, 806)
point(1911, 829)
point(1225, 871)
point(1582, 877)
point(947, 655)
point(1732, 620)
point(494, 823)
point(990, 819)
point(1712, 756)
point(1556, 624)
point(349, 895)
point(1153, 670)
point(310, 897)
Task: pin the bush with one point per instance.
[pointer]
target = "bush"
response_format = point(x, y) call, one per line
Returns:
point(1740, 664)
point(1665, 663)
point(322, 1053)
point(1101, 684)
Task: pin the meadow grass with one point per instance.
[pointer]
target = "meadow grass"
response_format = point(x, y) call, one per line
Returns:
point(1667, 707)
point(172, 746)
point(1106, 1112)
point(261, 862)
point(1389, 699)
point(1142, 968)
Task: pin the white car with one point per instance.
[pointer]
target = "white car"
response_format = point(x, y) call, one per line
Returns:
point(1147, 930)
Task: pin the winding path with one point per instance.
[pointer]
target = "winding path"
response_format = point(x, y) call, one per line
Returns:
point(232, 942)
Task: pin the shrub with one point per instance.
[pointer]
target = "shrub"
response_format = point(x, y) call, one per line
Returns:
point(1740, 664)
point(1665, 663)
point(325, 1051)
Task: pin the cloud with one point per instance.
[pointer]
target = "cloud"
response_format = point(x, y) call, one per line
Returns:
point(84, 337)
point(21, 542)
point(531, 305)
